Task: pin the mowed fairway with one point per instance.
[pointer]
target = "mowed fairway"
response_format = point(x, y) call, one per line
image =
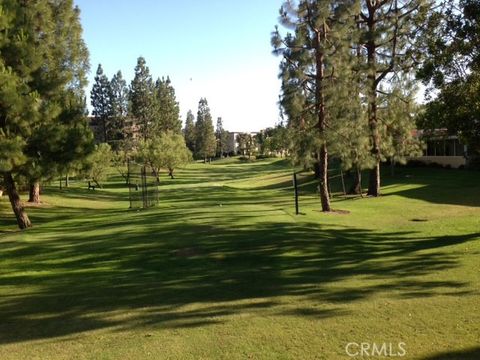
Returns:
point(223, 269)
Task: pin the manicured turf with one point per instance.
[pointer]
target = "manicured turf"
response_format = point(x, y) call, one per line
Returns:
point(223, 269)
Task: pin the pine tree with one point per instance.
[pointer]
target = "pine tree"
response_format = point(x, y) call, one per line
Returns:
point(119, 107)
point(142, 99)
point(168, 110)
point(189, 131)
point(60, 86)
point(205, 143)
point(101, 100)
point(221, 136)
point(42, 102)
point(309, 75)
point(387, 32)
point(398, 113)
point(349, 135)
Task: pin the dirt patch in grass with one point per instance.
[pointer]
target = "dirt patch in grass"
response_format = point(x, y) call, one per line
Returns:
point(335, 212)
point(187, 252)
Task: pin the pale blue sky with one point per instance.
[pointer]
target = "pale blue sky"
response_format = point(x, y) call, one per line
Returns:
point(218, 49)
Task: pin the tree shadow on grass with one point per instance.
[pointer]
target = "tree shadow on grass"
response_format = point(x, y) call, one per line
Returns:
point(190, 263)
point(470, 354)
point(225, 172)
point(150, 269)
point(439, 186)
point(86, 194)
point(7, 219)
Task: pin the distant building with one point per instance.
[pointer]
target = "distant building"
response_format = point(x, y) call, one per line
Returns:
point(97, 128)
point(232, 142)
point(442, 149)
point(132, 130)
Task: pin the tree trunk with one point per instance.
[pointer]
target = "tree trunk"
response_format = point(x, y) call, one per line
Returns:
point(320, 109)
point(323, 184)
point(356, 188)
point(22, 218)
point(374, 181)
point(67, 181)
point(392, 167)
point(155, 172)
point(34, 193)
point(316, 169)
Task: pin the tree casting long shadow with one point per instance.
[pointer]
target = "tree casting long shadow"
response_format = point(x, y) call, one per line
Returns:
point(151, 265)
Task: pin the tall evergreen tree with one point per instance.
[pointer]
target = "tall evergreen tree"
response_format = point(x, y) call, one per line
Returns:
point(168, 110)
point(142, 99)
point(119, 108)
point(42, 124)
point(60, 86)
point(309, 74)
point(101, 100)
point(349, 136)
point(387, 30)
point(189, 131)
point(205, 143)
point(398, 113)
point(221, 136)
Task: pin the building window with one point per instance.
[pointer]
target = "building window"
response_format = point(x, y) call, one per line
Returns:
point(430, 148)
point(440, 148)
point(459, 148)
point(449, 147)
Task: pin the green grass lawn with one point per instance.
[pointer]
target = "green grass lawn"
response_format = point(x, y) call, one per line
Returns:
point(224, 269)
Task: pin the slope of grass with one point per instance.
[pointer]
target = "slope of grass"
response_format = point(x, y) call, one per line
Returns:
point(222, 268)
